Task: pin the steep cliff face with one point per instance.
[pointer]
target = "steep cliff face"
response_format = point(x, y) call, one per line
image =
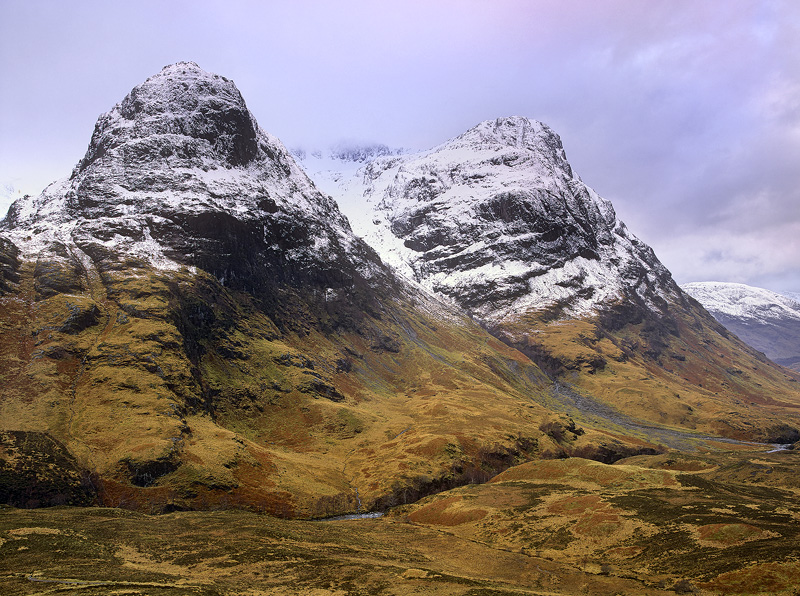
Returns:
point(497, 221)
point(9, 266)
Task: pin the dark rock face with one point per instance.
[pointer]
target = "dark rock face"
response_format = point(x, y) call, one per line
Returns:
point(57, 273)
point(538, 226)
point(9, 266)
point(36, 470)
point(80, 317)
point(146, 473)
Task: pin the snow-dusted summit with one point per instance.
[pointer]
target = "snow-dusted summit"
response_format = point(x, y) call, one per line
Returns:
point(768, 321)
point(180, 174)
point(497, 221)
point(742, 301)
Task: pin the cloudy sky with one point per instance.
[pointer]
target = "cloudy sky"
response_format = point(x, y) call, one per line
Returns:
point(684, 113)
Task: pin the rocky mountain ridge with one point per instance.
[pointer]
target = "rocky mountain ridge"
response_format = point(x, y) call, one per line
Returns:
point(182, 157)
point(195, 325)
point(496, 221)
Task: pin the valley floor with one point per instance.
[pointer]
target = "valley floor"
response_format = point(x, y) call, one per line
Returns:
point(716, 523)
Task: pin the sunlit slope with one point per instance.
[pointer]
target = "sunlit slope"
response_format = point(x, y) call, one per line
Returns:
point(173, 391)
point(679, 368)
point(669, 521)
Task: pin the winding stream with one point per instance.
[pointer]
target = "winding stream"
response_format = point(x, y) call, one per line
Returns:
point(776, 447)
point(371, 515)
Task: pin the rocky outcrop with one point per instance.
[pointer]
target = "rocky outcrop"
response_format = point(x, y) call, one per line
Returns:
point(9, 265)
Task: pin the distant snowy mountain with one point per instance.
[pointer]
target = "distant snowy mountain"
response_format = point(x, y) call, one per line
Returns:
point(768, 321)
point(793, 295)
point(496, 221)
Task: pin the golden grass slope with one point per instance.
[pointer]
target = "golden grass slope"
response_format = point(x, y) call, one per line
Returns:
point(650, 525)
point(668, 521)
point(175, 392)
point(106, 551)
point(684, 371)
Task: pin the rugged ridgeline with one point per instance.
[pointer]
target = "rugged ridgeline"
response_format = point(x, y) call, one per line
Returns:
point(195, 325)
point(767, 321)
point(497, 222)
point(187, 322)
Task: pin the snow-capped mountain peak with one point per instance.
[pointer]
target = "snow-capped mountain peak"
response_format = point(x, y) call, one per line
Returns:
point(184, 106)
point(496, 220)
point(180, 174)
point(515, 132)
